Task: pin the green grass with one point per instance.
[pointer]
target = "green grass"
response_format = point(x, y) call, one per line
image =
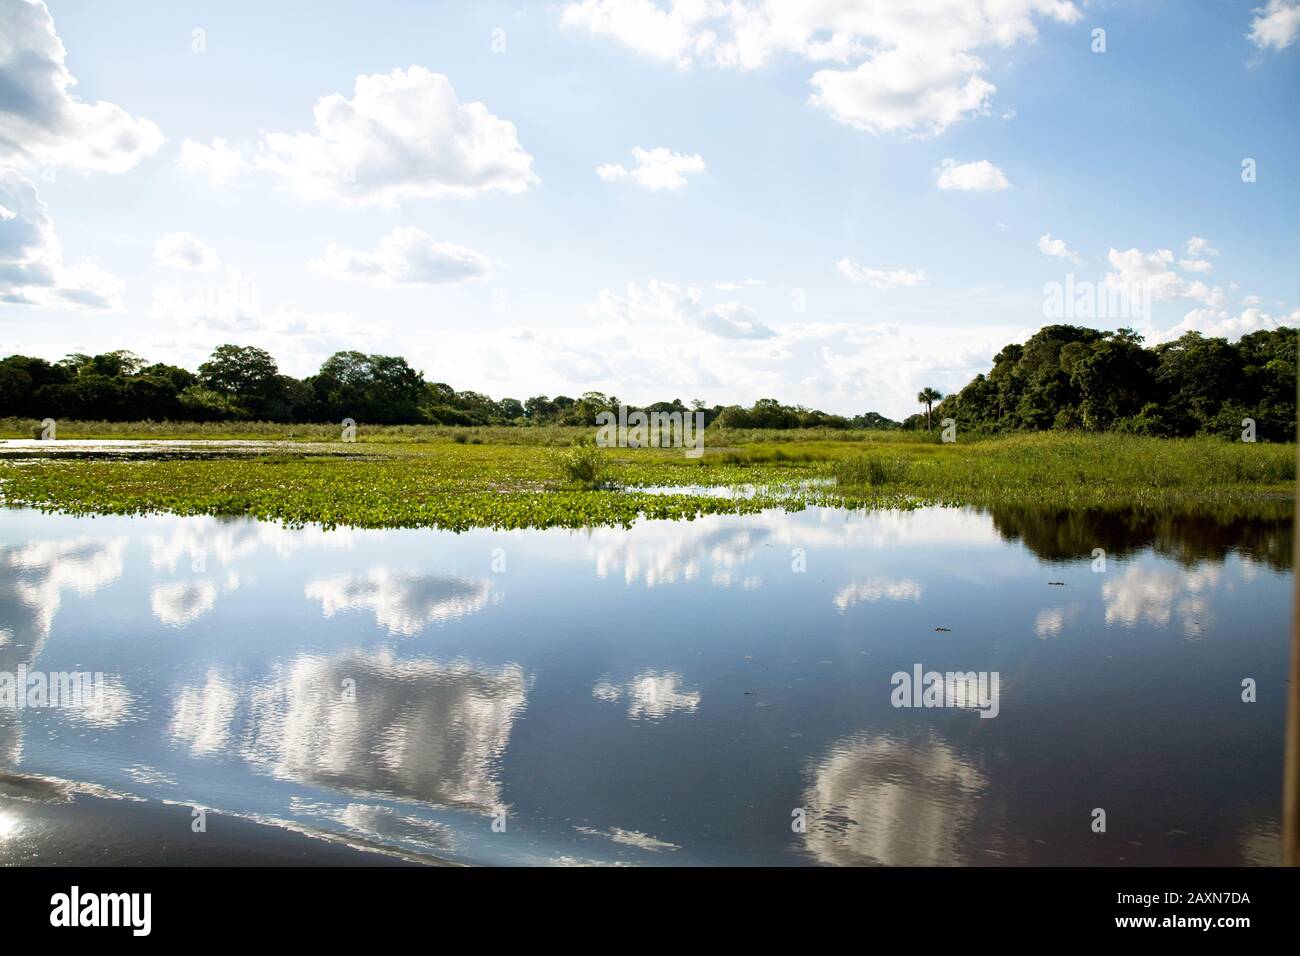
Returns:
point(500, 477)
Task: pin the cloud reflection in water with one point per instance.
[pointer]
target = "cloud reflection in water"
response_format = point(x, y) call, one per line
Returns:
point(883, 800)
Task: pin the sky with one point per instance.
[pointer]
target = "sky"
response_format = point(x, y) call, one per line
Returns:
point(826, 202)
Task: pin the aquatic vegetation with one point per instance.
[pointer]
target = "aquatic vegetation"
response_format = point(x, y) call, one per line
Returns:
point(869, 470)
point(412, 482)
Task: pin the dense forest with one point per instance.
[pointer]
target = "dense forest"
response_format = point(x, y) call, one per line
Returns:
point(1068, 377)
point(1063, 377)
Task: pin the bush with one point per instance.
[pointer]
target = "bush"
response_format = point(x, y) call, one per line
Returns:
point(1150, 422)
point(584, 465)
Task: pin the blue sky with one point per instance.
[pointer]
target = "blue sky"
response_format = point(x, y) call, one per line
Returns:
point(836, 202)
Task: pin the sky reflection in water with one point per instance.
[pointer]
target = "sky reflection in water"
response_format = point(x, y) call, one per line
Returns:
point(671, 693)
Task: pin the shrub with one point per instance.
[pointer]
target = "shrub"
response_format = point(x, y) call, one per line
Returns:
point(584, 465)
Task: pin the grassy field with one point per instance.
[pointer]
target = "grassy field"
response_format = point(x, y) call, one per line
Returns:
point(459, 478)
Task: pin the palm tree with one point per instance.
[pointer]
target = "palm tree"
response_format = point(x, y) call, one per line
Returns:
point(927, 397)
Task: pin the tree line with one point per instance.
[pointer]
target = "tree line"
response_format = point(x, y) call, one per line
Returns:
point(244, 383)
point(1070, 377)
point(1064, 377)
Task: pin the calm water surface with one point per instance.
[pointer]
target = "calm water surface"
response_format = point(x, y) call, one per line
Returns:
point(673, 693)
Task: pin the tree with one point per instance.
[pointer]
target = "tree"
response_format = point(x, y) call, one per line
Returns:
point(1115, 380)
point(382, 389)
point(927, 397)
point(247, 376)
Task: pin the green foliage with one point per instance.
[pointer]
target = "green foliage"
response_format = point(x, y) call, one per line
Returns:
point(1062, 378)
point(1067, 377)
point(584, 465)
point(769, 413)
point(869, 470)
point(200, 404)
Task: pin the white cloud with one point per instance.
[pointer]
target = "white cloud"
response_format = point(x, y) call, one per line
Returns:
point(669, 35)
point(1196, 265)
point(32, 270)
point(1197, 247)
point(977, 175)
point(912, 72)
point(220, 163)
point(41, 123)
point(1276, 25)
point(1057, 248)
point(880, 278)
point(657, 168)
point(406, 256)
point(403, 135)
point(1217, 323)
point(668, 306)
point(183, 250)
point(1201, 292)
point(903, 90)
point(1153, 272)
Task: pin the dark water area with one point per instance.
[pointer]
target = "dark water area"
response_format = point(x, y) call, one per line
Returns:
point(721, 690)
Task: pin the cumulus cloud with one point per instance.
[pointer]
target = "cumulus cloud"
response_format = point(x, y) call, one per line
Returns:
point(406, 256)
point(914, 74)
point(667, 306)
point(183, 250)
point(1057, 248)
point(657, 168)
point(904, 90)
point(977, 175)
point(41, 123)
point(1153, 272)
point(1196, 250)
point(32, 270)
point(1218, 323)
point(1275, 25)
point(403, 135)
point(880, 278)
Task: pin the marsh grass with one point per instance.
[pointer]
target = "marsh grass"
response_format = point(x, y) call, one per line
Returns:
point(869, 470)
point(428, 478)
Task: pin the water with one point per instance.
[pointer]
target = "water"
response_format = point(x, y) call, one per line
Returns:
point(673, 693)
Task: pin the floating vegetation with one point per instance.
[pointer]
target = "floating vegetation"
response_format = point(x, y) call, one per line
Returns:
point(460, 485)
